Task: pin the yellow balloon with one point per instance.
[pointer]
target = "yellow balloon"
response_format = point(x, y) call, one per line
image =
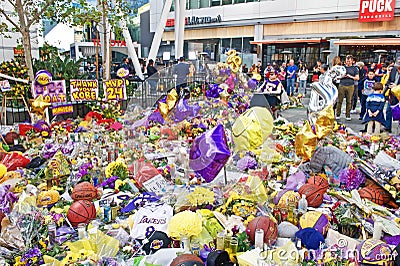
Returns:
point(172, 99)
point(396, 92)
point(39, 105)
point(3, 170)
point(306, 142)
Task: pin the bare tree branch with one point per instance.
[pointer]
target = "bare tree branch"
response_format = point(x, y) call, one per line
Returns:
point(36, 17)
point(10, 20)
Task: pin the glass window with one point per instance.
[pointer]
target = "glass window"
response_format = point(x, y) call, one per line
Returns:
point(248, 1)
point(225, 45)
point(226, 2)
point(237, 44)
point(193, 4)
point(172, 6)
point(215, 2)
point(239, 1)
point(247, 47)
point(204, 3)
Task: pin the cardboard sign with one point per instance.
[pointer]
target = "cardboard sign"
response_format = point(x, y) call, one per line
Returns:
point(376, 10)
point(5, 85)
point(114, 89)
point(84, 90)
point(62, 109)
point(53, 92)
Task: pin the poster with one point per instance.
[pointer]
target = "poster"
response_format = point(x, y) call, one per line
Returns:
point(114, 89)
point(84, 90)
point(53, 92)
point(62, 109)
point(5, 85)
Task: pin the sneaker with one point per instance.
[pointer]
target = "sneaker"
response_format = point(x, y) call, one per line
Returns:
point(360, 118)
point(348, 118)
point(338, 117)
point(353, 111)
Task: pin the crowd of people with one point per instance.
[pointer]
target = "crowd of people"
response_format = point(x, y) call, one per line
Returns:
point(366, 85)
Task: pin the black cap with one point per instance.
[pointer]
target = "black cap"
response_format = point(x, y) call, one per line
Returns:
point(157, 241)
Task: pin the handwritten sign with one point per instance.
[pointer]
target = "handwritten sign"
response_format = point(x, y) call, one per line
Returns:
point(114, 89)
point(53, 92)
point(62, 109)
point(84, 90)
point(5, 85)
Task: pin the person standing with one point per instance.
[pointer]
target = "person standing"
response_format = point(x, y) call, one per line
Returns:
point(375, 104)
point(152, 77)
point(346, 87)
point(367, 89)
point(303, 76)
point(181, 70)
point(291, 77)
point(393, 81)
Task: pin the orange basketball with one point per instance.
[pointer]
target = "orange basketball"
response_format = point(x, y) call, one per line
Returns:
point(371, 194)
point(262, 222)
point(81, 211)
point(319, 181)
point(314, 194)
point(84, 191)
point(187, 259)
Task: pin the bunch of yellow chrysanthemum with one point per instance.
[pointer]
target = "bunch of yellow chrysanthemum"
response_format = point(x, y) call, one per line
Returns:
point(117, 168)
point(201, 196)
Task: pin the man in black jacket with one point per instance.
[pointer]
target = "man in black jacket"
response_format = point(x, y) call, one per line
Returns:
point(181, 70)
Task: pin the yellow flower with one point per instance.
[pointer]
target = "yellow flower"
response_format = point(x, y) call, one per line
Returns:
point(185, 223)
point(118, 183)
point(18, 261)
point(42, 243)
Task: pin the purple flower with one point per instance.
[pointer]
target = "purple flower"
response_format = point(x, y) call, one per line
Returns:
point(49, 150)
point(247, 162)
point(31, 253)
point(6, 198)
point(351, 178)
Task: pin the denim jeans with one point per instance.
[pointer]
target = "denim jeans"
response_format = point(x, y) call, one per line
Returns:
point(303, 85)
point(363, 105)
point(290, 86)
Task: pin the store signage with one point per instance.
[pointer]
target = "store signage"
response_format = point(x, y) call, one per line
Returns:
point(119, 43)
point(18, 51)
point(376, 10)
point(195, 20)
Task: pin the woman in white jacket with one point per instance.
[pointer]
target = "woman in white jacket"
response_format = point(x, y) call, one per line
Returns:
point(303, 75)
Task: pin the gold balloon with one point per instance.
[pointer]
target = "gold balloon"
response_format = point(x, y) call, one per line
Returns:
point(234, 61)
point(172, 99)
point(396, 92)
point(325, 122)
point(306, 142)
point(38, 106)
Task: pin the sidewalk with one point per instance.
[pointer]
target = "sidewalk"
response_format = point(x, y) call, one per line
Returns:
point(300, 114)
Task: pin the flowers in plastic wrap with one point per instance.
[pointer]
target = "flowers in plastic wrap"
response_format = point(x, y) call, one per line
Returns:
point(351, 177)
point(201, 196)
point(184, 223)
point(117, 168)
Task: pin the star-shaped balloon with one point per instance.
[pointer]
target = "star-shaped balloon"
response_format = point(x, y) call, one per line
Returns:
point(38, 106)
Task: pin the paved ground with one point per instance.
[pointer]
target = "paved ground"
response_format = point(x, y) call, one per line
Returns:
point(296, 114)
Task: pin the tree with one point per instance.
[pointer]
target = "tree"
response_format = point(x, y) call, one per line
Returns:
point(24, 14)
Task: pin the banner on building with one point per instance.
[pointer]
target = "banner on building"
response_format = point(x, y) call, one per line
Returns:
point(376, 10)
point(84, 90)
point(114, 89)
point(53, 92)
point(62, 109)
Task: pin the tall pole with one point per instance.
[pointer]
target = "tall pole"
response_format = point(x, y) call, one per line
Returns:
point(182, 9)
point(176, 28)
point(155, 45)
point(97, 54)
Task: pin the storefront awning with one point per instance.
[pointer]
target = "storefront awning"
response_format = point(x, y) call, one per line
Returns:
point(382, 41)
point(288, 41)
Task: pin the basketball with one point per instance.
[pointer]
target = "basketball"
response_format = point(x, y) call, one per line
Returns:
point(262, 222)
point(81, 211)
point(84, 191)
point(372, 195)
point(319, 181)
point(10, 137)
point(186, 260)
point(316, 220)
point(374, 251)
point(289, 197)
point(314, 194)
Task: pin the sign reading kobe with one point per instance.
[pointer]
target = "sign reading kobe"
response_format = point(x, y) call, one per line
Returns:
point(376, 10)
point(84, 90)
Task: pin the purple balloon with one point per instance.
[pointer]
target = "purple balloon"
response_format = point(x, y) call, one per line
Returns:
point(183, 110)
point(209, 153)
point(396, 111)
point(252, 83)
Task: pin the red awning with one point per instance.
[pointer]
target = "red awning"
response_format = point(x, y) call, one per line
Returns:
point(288, 41)
point(382, 41)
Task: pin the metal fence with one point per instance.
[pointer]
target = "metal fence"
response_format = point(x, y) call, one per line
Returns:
point(144, 93)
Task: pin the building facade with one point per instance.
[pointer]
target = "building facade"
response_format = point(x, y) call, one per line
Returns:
point(277, 30)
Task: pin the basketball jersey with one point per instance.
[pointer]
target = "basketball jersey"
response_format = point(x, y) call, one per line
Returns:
point(151, 218)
